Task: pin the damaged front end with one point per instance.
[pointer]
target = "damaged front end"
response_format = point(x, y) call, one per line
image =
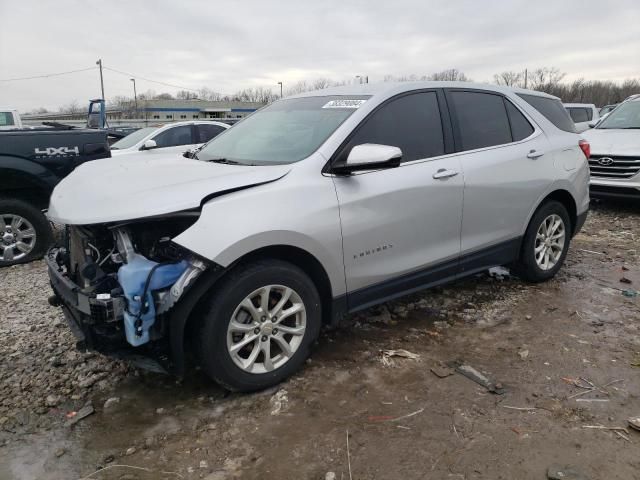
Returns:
point(118, 284)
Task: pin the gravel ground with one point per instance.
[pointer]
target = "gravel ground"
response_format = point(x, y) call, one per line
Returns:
point(40, 367)
point(402, 421)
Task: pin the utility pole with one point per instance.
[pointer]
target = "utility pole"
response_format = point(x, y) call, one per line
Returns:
point(525, 78)
point(280, 83)
point(135, 95)
point(99, 63)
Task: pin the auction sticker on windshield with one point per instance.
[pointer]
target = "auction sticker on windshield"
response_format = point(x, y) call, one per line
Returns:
point(344, 103)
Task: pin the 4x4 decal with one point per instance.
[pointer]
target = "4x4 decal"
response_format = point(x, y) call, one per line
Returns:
point(58, 151)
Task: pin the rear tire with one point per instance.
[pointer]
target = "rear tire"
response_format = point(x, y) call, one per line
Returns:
point(259, 325)
point(545, 244)
point(25, 233)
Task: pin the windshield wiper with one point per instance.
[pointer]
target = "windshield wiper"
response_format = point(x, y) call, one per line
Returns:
point(226, 161)
point(631, 128)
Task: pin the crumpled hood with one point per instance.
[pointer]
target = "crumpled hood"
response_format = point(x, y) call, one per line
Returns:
point(130, 187)
point(613, 142)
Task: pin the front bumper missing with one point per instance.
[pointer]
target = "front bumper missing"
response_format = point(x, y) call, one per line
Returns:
point(98, 323)
point(94, 307)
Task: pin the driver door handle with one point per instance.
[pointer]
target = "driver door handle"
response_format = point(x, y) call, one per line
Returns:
point(444, 173)
point(533, 154)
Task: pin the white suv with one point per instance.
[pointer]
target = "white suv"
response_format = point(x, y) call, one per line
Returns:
point(615, 152)
point(317, 205)
point(584, 115)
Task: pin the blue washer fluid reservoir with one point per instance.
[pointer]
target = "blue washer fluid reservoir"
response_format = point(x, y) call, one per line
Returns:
point(132, 277)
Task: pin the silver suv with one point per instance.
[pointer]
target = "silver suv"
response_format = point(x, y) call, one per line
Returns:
point(315, 206)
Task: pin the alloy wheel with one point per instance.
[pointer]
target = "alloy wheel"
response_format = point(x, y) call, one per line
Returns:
point(549, 243)
point(266, 329)
point(18, 237)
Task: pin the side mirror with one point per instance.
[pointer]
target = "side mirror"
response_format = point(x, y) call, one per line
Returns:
point(191, 153)
point(149, 145)
point(370, 156)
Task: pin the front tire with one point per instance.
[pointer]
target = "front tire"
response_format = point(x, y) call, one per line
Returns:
point(25, 233)
point(258, 327)
point(545, 244)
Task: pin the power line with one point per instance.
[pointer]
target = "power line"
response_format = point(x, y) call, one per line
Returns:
point(148, 79)
point(47, 75)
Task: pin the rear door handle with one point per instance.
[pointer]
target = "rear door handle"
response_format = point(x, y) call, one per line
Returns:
point(444, 173)
point(533, 154)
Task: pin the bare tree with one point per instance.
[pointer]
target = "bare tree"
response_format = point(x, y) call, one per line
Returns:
point(205, 93)
point(298, 87)
point(186, 95)
point(322, 83)
point(72, 107)
point(450, 75)
point(509, 79)
point(148, 95)
point(544, 78)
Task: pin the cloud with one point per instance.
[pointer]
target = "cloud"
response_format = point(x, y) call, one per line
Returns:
point(227, 46)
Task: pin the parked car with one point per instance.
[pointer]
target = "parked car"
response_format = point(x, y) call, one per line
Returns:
point(615, 152)
point(584, 115)
point(32, 162)
point(317, 205)
point(9, 119)
point(174, 137)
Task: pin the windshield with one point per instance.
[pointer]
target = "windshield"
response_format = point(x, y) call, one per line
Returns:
point(133, 138)
point(626, 116)
point(284, 132)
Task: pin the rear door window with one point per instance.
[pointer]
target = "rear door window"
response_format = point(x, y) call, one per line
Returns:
point(482, 119)
point(174, 137)
point(207, 132)
point(410, 122)
point(552, 109)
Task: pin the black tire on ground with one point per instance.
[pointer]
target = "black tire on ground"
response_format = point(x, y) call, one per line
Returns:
point(226, 296)
point(526, 267)
point(37, 219)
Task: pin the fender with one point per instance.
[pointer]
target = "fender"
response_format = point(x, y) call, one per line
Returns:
point(16, 173)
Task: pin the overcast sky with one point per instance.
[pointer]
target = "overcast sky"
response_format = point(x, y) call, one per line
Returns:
point(229, 45)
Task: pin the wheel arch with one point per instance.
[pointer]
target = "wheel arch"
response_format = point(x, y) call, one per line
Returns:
point(566, 199)
point(302, 259)
point(183, 320)
point(24, 186)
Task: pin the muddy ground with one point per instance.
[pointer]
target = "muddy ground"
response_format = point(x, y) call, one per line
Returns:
point(567, 353)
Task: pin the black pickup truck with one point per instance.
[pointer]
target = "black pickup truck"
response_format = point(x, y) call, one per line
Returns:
point(32, 162)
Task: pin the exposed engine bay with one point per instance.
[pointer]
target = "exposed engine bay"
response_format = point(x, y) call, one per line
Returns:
point(116, 282)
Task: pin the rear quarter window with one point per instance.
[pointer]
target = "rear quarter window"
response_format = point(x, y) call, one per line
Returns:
point(552, 109)
point(520, 126)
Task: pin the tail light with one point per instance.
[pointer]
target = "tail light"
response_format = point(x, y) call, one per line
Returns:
point(585, 147)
